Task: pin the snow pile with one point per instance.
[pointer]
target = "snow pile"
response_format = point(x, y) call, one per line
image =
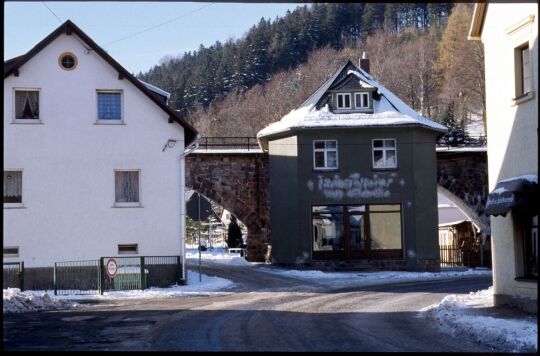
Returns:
point(217, 255)
point(16, 301)
point(372, 278)
point(456, 314)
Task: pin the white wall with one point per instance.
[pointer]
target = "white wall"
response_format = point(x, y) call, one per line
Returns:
point(68, 163)
point(512, 129)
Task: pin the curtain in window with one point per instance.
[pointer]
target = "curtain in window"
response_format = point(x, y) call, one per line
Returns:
point(109, 106)
point(127, 186)
point(26, 104)
point(12, 187)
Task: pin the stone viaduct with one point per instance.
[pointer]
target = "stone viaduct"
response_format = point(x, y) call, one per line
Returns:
point(238, 181)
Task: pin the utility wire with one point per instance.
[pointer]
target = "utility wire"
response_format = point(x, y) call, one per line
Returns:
point(158, 25)
point(52, 12)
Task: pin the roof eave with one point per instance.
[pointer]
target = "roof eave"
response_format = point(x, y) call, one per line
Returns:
point(477, 22)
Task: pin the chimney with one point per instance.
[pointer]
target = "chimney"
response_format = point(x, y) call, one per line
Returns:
point(364, 62)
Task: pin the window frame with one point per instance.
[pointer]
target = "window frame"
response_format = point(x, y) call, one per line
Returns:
point(519, 71)
point(14, 113)
point(11, 255)
point(21, 204)
point(127, 204)
point(128, 245)
point(75, 61)
point(120, 121)
point(383, 149)
point(325, 150)
point(363, 94)
point(344, 107)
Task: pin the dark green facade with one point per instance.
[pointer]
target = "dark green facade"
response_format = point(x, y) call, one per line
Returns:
point(295, 187)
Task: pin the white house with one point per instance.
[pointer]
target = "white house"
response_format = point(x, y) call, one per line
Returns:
point(93, 157)
point(509, 33)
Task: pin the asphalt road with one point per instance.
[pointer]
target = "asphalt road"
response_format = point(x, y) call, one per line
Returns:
point(262, 312)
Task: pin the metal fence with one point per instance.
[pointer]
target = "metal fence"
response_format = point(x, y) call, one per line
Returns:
point(13, 275)
point(76, 277)
point(467, 255)
point(93, 276)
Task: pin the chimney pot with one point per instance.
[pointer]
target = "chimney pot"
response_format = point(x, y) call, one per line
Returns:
point(364, 62)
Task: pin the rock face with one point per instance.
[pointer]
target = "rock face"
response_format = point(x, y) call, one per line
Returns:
point(239, 183)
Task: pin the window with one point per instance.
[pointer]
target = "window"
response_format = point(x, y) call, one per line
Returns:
point(384, 153)
point(12, 187)
point(385, 227)
point(530, 249)
point(343, 100)
point(361, 100)
point(67, 61)
point(126, 188)
point(27, 104)
point(523, 71)
point(11, 251)
point(328, 232)
point(325, 154)
point(128, 249)
point(109, 106)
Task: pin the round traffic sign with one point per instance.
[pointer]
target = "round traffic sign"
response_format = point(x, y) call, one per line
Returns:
point(111, 267)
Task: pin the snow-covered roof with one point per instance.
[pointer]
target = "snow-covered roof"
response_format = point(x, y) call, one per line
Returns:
point(388, 110)
point(156, 90)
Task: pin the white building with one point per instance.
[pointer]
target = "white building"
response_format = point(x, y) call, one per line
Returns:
point(509, 33)
point(93, 158)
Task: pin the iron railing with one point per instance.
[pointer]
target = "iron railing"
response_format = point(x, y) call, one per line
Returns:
point(467, 255)
point(13, 275)
point(91, 277)
point(246, 143)
point(467, 141)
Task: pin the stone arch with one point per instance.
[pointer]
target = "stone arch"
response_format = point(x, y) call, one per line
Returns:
point(462, 177)
point(239, 183)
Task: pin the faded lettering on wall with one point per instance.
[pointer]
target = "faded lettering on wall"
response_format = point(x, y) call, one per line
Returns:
point(354, 186)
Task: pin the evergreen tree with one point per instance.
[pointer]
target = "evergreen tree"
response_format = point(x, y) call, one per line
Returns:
point(456, 134)
point(234, 234)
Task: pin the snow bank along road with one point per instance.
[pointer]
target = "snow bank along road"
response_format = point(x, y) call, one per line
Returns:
point(263, 312)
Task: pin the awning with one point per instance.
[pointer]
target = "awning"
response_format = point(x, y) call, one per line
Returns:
point(517, 192)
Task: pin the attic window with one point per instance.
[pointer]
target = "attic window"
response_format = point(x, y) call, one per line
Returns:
point(343, 101)
point(67, 61)
point(361, 100)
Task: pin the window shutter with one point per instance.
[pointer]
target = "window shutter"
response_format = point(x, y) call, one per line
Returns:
point(127, 186)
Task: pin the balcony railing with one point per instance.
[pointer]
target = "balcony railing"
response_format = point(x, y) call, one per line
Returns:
point(228, 143)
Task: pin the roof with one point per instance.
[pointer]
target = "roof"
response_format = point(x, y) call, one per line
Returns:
point(388, 109)
point(164, 94)
point(477, 22)
point(12, 66)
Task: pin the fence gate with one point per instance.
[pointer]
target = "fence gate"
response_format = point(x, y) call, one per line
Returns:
point(13, 275)
point(122, 273)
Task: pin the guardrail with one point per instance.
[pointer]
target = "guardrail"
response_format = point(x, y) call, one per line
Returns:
point(247, 143)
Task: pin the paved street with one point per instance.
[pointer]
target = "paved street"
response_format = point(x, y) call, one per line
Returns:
point(261, 313)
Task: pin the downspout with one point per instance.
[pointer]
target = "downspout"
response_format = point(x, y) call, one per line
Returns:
point(187, 150)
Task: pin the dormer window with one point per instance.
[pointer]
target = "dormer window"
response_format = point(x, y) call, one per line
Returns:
point(361, 100)
point(343, 101)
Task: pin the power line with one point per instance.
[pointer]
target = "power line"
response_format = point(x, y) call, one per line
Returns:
point(52, 12)
point(158, 25)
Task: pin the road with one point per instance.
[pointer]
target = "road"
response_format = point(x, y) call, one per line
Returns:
point(263, 312)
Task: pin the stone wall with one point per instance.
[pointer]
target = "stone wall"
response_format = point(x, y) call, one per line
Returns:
point(239, 183)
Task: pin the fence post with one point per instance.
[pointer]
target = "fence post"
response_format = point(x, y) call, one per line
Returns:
point(101, 277)
point(54, 280)
point(178, 267)
point(143, 284)
point(21, 275)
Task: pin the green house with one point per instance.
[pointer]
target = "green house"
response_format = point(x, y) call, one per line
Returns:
point(353, 178)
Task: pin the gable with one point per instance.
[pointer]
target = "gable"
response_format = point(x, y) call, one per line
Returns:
point(15, 66)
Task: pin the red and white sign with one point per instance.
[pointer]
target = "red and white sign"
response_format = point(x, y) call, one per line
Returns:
point(111, 267)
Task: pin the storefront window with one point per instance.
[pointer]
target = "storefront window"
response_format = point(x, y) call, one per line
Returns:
point(327, 228)
point(385, 227)
point(531, 249)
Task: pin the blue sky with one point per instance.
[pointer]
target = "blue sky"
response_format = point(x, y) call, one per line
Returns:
point(27, 23)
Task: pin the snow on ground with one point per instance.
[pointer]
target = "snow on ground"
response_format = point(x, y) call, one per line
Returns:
point(456, 314)
point(341, 279)
point(217, 255)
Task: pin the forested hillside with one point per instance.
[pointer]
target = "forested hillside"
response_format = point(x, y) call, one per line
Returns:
point(419, 51)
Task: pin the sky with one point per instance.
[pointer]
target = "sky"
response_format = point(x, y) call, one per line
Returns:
point(172, 28)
